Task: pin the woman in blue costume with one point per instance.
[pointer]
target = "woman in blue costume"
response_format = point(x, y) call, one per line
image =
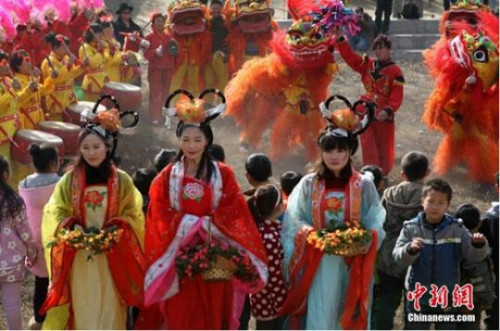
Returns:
point(330, 291)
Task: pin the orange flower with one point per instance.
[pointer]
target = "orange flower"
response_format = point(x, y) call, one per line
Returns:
point(334, 204)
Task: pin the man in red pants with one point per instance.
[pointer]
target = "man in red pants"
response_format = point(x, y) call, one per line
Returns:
point(383, 82)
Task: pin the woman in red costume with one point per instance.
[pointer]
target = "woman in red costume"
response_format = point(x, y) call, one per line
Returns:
point(91, 289)
point(160, 66)
point(187, 198)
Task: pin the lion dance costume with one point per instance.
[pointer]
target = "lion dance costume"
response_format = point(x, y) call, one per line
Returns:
point(188, 24)
point(251, 29)
point(286, 87)
point(464, 103)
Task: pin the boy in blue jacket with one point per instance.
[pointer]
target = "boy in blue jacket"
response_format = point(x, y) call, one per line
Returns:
point(433, 244)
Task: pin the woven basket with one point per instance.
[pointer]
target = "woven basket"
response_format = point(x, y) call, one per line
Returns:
point(354, 249)
point(220, 270)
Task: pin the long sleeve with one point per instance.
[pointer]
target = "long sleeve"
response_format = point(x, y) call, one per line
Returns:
point(23, 230)
point(400, 252)
point(130, 208)
point(56, 210)
point(373, 211)
point(396, 95)
point(353, 59)
point(470, 253)
point(297, 216)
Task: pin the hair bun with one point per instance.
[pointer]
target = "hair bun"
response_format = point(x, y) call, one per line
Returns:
point(50, 37)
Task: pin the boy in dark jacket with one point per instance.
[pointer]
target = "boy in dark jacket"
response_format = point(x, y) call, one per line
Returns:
point(433, 244)
point(402, 203)
point(479, 274)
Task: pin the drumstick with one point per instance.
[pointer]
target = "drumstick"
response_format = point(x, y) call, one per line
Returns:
point(50, 63)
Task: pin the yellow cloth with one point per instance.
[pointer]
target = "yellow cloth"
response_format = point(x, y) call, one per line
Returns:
point(63, 94)
point(113, 60)
point(186, 76)
point(216, 74)
point(30, 101)
point(59, 208)
point(95, 76)
point(10, 122)
point(91, 282)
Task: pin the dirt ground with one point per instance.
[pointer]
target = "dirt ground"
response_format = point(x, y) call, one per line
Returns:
point(138, 150)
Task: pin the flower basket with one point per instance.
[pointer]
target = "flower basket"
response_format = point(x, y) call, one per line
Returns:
point(220, 270)
point(215, 262)
point(342, 242)
point(93, 240)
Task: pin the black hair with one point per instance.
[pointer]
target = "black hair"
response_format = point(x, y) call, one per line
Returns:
point(329, 140)
point(11, 203)
point(258, 166)
point(3, 55)
point(216, 2)
point(469, 214)
point(106, 24)
point(264, 202)
point(381, 41)
point(101, 173)
point(437, 185)
point(92, 29)
point(378, 176)
point(164, 158)
point(43, 156)
point(415, 165)
point(217, 152)
point(289, 180)
point(17, 58)
point(206, 167)
point(56, 41)
point(143, 178)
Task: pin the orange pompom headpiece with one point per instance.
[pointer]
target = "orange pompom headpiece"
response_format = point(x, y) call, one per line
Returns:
point(349, 119)
point(191, 110)
point(106, 123)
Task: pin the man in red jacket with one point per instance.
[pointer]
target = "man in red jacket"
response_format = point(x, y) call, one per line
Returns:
point(383, 82)
point(160, 66)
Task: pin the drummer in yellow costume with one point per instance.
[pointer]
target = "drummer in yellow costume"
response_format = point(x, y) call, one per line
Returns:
point(30, 105)
point(113, 57)
point(9, 112)
point(29, 100)
point(62, 61)
point(93, 50)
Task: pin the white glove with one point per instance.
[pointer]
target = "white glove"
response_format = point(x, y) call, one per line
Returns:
point(145, 44)
point(159, 50)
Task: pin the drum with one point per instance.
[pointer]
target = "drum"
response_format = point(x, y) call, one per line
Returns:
point(73, 113)
point(68, 132)
point(129, 96)
point(23, 138)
